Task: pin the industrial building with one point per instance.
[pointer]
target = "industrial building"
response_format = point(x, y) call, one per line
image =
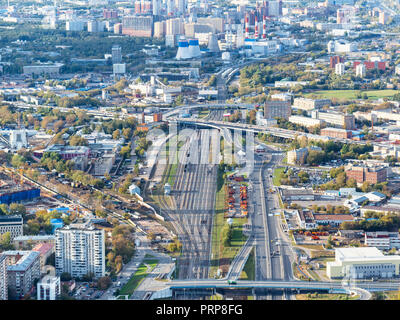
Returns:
point(49, 69)
point(382, 240)
point(362, 263)
point(12, 224)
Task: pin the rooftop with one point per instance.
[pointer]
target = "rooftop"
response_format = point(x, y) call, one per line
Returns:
point(28, 257)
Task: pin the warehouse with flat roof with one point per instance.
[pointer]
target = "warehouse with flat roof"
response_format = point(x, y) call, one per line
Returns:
point(362, 263)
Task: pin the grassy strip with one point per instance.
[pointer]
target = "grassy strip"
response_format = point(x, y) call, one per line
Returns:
point(140, 274)
point(321, 296)
point(249, 269)
point(277, 176)
point(172, 174)
point(218, 222)
point(351, 94)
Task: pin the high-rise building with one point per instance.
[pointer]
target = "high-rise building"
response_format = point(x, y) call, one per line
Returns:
point(3, 277)
point(80, 250)
point(174, 26)
point(383, 17)
point(48, 288)
point(334, 60)
point(159, 29)
point(156, 7)
point(110, 14)
point(95, 26)
point(339, 69)
point(360, 70)
point(277, 109)
point(181, 6)
point(22, 271)
point(274, 8)
point(137, 26)
point(116, 54)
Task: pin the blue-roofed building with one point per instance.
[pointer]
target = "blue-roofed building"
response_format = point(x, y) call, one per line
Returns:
point(64, 210)
point(56, 224)
point(375, 196)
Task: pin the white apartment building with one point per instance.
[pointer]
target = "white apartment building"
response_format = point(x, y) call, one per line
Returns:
point(12, 224)
point(305, 121)
point(346, 121)
point(382, 240)
point(48, 288)
point(75, 25)
point(3, 278)
point(341, 46)
point(80, 250)
point(310, 104)
point(360, 70)
point(339, 69)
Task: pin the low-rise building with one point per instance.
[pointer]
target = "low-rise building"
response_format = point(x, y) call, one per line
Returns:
point(24, 241)
point(45, 250)
point(305, 219)
point(48, 288)
point(298, 194)
point(346, 121)
point(362, 263)
point(336, 133)
point(382, 240)
point(310, 104)
point(41, 69)
point(361, 174)
point(297, 156)
point(332, 219)
point(305, 121)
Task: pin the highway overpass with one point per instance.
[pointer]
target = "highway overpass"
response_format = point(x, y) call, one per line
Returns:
point(280, 284)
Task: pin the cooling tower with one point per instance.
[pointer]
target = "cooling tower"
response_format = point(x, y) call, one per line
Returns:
point(183, 50)
point(194, 49)
point(213, 43)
